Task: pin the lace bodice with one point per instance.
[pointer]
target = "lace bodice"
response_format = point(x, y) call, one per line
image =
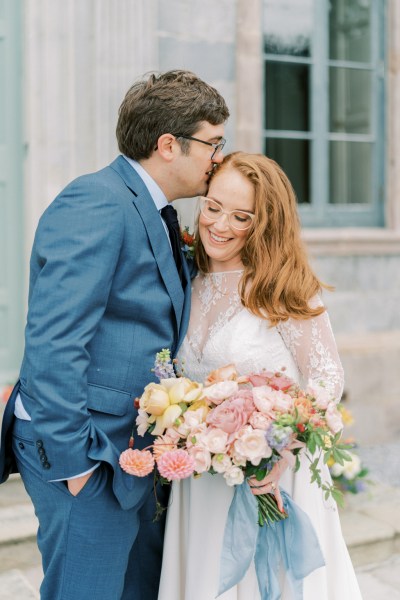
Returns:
point(222, 331)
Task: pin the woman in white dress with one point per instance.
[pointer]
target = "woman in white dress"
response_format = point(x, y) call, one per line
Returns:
point(256, 304)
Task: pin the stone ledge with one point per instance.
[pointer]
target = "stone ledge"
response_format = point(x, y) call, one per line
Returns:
point(14, 585)
point(18, 523)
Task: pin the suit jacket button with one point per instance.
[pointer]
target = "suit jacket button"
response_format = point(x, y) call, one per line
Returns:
point(21, 445)
point(41, 451)
point(39, 444)
point(46, 465)
point(43, 458)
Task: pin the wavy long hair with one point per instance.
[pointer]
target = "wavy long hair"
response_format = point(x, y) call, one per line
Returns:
point(278, 281)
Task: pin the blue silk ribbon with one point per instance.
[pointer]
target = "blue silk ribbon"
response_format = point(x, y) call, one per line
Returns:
point(291, 544)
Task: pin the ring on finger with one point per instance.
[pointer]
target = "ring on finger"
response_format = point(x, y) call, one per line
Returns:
point(273, 486)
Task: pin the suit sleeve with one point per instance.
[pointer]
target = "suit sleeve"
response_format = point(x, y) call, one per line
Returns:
point(74, 259)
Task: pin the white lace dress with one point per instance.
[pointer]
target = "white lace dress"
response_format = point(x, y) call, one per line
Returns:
point(221, 331)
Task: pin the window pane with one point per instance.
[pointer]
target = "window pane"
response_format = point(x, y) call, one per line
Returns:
point(288, 26)
point(350, 30)
point(350, 100)
point(350, 173)
point(287, 96)
point(294, 158)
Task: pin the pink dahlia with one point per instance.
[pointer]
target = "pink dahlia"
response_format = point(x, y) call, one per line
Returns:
point(175, 464)
point(137, 462)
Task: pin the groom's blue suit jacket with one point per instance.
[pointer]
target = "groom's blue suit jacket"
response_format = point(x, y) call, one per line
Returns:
point(104, 297)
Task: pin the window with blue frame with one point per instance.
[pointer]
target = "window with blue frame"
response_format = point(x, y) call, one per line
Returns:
point(324, 106)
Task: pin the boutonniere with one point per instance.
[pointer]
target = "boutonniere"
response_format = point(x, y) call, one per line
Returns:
point(188, 242)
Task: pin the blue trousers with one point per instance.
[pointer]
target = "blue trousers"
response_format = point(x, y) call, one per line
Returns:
point(90, 547)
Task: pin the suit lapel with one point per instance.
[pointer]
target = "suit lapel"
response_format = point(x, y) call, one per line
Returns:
point(156, 234)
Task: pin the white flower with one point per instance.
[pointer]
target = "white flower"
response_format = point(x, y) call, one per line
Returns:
point(351, 468)
point(195, 436)
point(202, 458)
point(221, 463)
point(142, 421)
point(336, 469)
point(215, 440)
point(252, 445)
point(234, 476)
point(193, 418)
point(220, 391)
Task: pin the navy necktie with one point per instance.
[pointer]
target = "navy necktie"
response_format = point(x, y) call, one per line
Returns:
point(170, 217)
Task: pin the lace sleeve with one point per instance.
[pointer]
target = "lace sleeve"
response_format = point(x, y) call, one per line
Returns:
point(312, 344)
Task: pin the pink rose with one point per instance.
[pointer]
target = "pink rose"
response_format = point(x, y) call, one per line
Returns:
point(231, 415)
point(283, 402)
point(259, 421)
point(321, 394)
point(333, 418)
point(263, 397)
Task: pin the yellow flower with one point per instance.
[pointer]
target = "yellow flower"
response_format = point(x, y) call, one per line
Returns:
point(154, 399)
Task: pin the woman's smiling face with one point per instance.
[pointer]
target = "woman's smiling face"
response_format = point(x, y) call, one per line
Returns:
point(222, 242)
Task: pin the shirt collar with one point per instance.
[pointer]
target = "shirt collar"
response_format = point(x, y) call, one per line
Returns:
point(154, 189)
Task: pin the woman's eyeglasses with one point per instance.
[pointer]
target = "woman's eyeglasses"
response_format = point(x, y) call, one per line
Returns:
point(238, 219)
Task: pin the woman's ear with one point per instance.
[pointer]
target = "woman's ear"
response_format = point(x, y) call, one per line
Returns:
point(167, 146)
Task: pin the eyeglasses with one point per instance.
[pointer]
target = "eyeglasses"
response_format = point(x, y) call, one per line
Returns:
point(217, 146)
point(238, 219)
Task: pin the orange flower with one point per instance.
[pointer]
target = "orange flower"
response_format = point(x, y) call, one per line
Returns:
point(137, 462)
point(6, 393)
point(162, 444)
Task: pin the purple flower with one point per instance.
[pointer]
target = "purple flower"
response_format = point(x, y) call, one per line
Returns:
point(278, 437)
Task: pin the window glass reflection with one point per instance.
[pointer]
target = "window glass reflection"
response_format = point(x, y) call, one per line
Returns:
point(287, 96)
point(350, 173)
point(294, 158)
point(350, 30)
point(288, 26)
point(350, 100)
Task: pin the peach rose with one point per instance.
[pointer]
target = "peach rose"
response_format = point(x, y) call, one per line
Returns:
point(304, 408)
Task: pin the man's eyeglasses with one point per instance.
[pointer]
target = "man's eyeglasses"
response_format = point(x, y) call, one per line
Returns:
point(218, 146)
point(238, 219)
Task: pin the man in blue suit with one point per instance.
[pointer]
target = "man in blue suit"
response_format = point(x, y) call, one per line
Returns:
point(105, 296)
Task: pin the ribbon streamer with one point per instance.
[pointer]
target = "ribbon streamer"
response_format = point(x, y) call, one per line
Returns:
point(291, 543)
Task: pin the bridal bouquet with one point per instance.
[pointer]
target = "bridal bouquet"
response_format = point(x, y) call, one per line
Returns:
point(238, 426)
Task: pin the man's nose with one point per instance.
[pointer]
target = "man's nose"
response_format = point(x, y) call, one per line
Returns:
point(218, 157)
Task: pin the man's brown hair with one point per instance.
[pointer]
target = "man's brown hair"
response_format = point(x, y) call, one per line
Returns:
point(173, 102)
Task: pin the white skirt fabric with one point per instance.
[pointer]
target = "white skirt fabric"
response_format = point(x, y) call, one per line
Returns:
point(194, 536)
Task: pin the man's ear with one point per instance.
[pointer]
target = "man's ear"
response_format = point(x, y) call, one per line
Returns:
point(167, 146)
